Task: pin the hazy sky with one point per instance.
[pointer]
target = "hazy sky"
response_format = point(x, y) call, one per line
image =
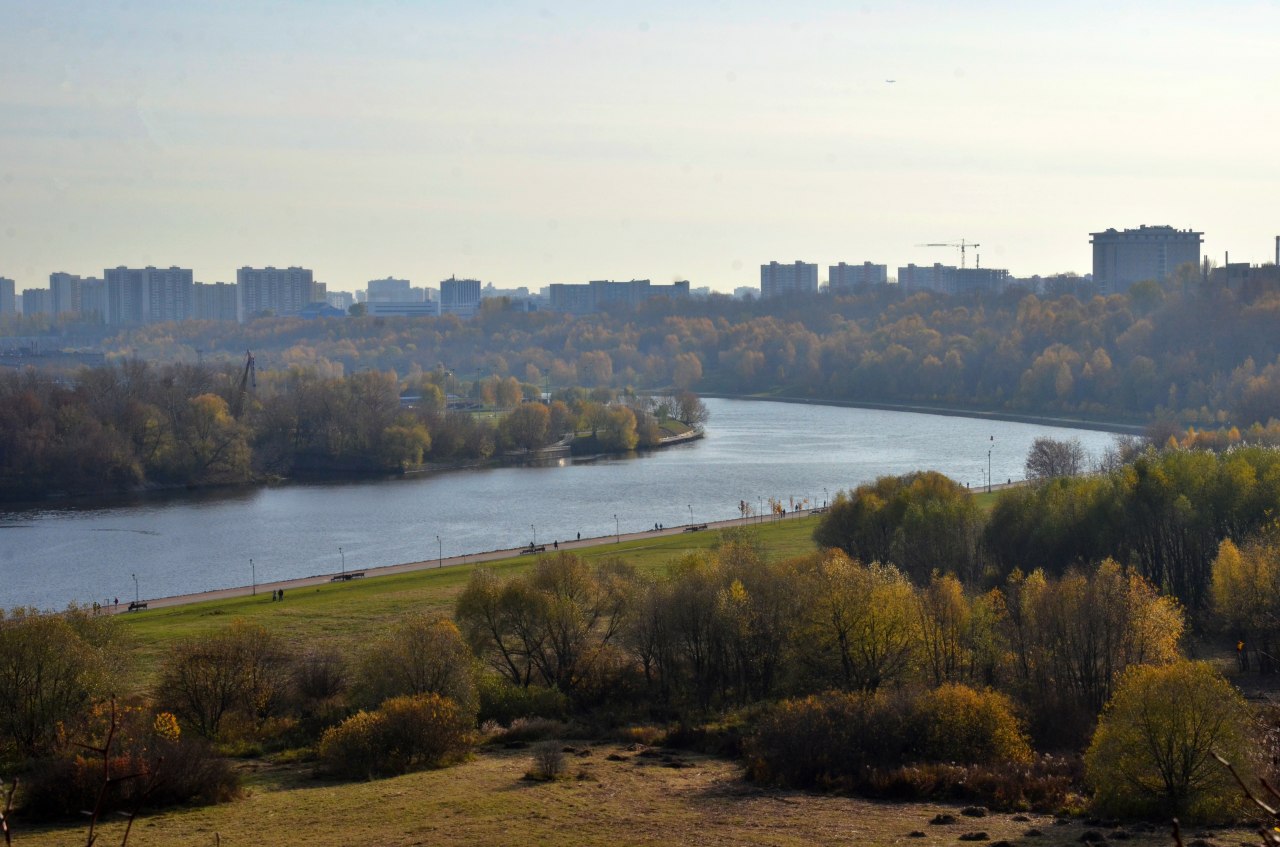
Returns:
point(529, 143)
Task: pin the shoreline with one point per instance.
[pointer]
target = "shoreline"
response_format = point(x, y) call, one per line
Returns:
point(945, 411)
point(476, 558)
point(105, 499)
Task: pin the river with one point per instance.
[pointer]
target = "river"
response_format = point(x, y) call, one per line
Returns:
point(179, 543)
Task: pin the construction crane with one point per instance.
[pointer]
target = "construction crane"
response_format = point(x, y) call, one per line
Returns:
point(962, 244)
point(248, 379)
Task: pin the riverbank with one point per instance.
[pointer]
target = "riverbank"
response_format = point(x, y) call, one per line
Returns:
point(529, 554)
point(1118, 427)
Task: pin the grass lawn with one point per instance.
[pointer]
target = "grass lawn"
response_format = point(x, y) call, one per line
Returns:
point(346, 615)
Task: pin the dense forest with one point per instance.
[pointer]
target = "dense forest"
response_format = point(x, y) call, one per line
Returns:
point(127, 426)
point(1201, 354)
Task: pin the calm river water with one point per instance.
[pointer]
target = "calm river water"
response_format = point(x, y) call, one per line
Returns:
point(181, 543)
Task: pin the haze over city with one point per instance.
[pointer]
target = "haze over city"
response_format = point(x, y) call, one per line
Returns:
point(527, 144)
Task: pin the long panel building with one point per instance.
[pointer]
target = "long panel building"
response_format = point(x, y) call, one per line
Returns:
point(844, 277)
point(777, 280)
point(585, 298)
point(276, 291)
point(147, 295)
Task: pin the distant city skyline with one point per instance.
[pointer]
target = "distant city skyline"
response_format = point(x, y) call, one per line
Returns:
point(531, 144)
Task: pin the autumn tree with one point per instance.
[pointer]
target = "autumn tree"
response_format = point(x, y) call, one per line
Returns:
point(861, 621)
point(1050, 458)
point(1246, 596)
point(1153, 750)
point(49, 673)
point(527, 426)
point(424, 654)
point(241, 670)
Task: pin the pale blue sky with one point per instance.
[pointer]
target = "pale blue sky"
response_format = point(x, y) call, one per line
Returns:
point(529, 143)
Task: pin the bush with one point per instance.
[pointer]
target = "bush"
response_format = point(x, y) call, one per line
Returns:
point(864, 741)
point(548, 761)
point(504, 702)
point(242, 671)
point(524, 730)
point(354, 747)
point(423, 655)
point(827, 739)
point(405, 734)
point(175, 769)
point(51, 669)
point(1152, 751)
point(954, 723)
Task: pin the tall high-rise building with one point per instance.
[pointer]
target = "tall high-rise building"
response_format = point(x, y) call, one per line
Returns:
point(93, 300)
point(275, 291)
point(65, 289)
point(37, 301)
point(779, 280)
point(127, 295)
point(8, 296)
point(147, 295)
point(169, 294)
point(844, 277)
point(459, 297)
point(214, 301)
point(1121, 258)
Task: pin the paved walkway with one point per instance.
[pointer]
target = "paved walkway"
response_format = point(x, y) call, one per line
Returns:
point(447, 561)
point(471, 559)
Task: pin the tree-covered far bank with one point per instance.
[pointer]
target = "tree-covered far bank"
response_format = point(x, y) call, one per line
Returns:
point(1201, 354)
point(133, 425)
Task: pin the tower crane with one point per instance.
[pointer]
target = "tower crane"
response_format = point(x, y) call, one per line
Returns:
point(248, 379)
point(962, 244)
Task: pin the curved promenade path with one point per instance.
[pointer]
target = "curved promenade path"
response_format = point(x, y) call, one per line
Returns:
point(468, 559)
point(447, 561)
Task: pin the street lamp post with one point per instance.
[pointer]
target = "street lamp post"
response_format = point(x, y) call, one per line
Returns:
point(253, 572)
point(989, 449)
point(617, 531)
point(439, 552)
point(136, 598)
point(825, 497)
point(534, 530)
point(760, 510)
point(691, 513)
point(344, 561)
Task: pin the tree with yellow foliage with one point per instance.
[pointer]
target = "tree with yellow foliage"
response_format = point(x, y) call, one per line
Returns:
point(1246, 597)
point(1152, 753)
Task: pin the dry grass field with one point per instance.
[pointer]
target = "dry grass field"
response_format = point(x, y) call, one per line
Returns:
point(630, 799)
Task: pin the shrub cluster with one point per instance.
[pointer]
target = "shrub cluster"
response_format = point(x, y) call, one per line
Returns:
point(407, 733)
point(854, 739)
point(148, 761)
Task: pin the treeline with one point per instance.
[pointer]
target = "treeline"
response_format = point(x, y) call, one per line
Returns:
point(820, 670)
point(1163, 515)
point(127, 426)
point(1197, 353)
